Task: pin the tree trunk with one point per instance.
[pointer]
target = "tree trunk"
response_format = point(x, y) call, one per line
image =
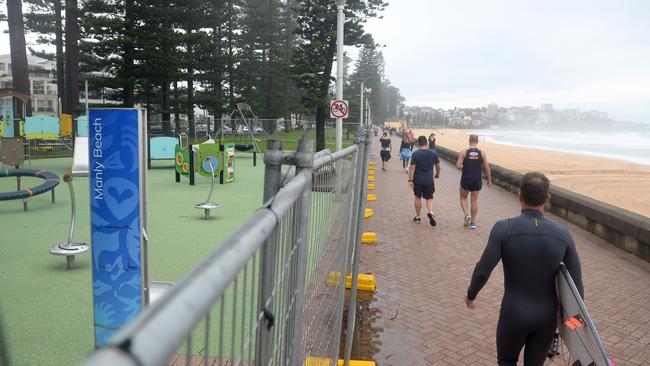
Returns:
point(166, 116)
point(177, 121)
point(19, 68)
point(231, 60)
point(60, 63)
point(128, 77)
point(190, 92)
point(71, 56)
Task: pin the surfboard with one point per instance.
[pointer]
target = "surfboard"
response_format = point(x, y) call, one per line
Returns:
point(576, 326)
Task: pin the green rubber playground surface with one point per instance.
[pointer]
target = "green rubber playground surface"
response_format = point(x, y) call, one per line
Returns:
point(46, 310)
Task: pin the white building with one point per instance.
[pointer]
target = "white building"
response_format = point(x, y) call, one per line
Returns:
point(42, 84)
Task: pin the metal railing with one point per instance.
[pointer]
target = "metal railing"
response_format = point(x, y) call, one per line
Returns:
point(273, 293)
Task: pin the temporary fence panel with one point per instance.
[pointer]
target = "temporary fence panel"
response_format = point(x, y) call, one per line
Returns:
point(272, 293)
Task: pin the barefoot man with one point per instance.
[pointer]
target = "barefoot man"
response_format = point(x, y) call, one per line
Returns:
point(473, 162)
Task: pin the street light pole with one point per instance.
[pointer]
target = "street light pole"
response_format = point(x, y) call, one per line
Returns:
point(340, 21)
point(361, 109)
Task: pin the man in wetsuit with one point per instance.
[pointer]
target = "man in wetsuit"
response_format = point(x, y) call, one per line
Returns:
point(473, 162)
point(386, 145)
point(531, 248)
point(421, 178)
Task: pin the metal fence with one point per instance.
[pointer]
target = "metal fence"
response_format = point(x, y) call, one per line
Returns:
point(273, 293)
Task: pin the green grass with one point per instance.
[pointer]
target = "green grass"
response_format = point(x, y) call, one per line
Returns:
point(47, 310)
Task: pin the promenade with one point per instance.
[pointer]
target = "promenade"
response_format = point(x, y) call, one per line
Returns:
point(418, 315)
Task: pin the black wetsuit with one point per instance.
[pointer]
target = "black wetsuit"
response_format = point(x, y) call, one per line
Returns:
point(472, 177)
point(531, 248)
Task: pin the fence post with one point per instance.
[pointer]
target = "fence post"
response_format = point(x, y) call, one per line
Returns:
point(272, 179)
point(304, 162)
point(346, 257)
point(364, 149)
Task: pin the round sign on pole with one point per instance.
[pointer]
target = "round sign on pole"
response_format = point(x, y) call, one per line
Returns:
point(339, 109)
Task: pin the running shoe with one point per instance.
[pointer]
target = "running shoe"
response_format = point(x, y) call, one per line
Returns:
point(417, 220)
point(472, 226)
point(432, 220)
point(468, 220)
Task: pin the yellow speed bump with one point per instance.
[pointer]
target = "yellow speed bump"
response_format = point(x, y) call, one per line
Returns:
point(320, 361)
point(368, 213)
point(369, 237)
point(371, 178)
point(366, 282)
point(371, 197)
point(371, 186)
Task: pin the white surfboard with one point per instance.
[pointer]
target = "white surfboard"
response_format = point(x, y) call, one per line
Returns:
point(576, 327)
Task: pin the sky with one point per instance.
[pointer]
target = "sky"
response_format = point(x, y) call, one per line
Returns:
point(469, 53)
point(586, 54)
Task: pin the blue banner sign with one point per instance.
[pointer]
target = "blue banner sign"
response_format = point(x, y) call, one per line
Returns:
point(115, 191)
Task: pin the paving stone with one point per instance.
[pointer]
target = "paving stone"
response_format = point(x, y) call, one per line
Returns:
point(423, 273)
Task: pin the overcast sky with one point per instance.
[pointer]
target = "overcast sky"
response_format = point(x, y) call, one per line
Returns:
point(589, 54)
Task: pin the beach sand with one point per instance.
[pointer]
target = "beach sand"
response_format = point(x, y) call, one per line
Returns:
point(616, 182)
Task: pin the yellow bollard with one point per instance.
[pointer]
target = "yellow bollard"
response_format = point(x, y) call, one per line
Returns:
point(371, 178)
point(371, 197)
point(369, 237)
point(371, 186)
point(366, 282)
point(368, 213)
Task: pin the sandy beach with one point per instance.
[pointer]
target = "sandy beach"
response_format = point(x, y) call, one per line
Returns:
point(618, 183)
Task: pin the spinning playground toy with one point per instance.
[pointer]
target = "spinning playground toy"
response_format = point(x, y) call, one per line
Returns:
point(70, 248)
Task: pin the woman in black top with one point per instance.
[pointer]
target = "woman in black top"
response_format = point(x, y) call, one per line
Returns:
point(386, 146)
point(432, 141)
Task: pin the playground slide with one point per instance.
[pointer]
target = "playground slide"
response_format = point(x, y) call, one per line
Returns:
point(80, 159)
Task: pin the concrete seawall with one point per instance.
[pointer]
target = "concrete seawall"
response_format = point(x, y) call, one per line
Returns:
point(622, 228)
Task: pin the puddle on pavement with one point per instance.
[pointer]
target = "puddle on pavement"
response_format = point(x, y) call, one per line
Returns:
point(369, 325)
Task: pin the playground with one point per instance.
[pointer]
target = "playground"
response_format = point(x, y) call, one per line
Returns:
point(47, 309)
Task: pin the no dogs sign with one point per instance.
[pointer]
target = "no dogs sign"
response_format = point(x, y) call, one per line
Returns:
point(339, 109)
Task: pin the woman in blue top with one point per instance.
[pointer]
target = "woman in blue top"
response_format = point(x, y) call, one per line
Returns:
point(405, 151)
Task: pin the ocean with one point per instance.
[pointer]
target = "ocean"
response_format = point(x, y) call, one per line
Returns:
point(628, 146)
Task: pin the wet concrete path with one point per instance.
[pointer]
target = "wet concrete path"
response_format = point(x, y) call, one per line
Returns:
point(418, 316)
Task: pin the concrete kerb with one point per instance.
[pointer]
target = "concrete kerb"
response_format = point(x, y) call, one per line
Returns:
point(622, 228)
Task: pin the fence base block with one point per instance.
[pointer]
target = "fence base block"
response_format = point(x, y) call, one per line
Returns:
point(371, 178)
point(320, 361)
point(371, 186)
point(372, 198)
point(366, 282)
point(368, 213)
point(369, 237)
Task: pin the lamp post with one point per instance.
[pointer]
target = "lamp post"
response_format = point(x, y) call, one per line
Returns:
point(340, 21)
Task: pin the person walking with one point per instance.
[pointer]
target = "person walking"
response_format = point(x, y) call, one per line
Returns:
point(531, 248)
point(432, 141)
point(386, 147)
point(473, 162)
point(421, 178)
point(405, 151)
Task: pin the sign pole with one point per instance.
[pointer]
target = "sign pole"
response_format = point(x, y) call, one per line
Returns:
point(340, 18)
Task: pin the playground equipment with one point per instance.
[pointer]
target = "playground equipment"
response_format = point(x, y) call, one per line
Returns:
point(80, 157)
point(184, 157)
point(246, 124)
point(51, 181)
point(69, 249)
point(206, 206)
point(161, 148)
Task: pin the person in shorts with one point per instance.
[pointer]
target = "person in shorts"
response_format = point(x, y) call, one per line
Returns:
point(421, 178)
point(386, 147)
point(473, 163)
point(405, 151)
